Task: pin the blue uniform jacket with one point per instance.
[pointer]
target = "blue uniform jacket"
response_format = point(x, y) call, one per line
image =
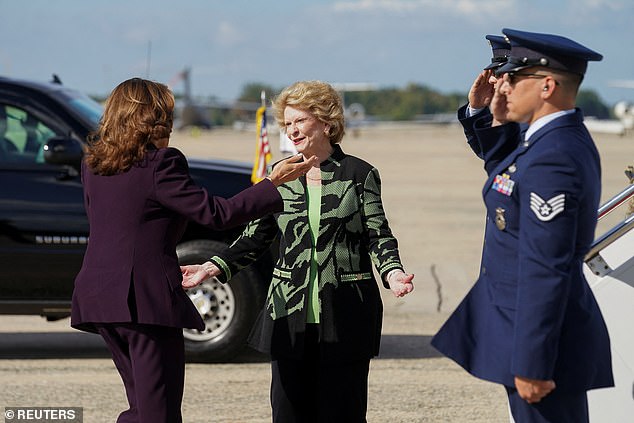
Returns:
point(531, 312)
point(490, 149)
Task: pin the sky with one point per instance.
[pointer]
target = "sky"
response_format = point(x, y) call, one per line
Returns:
point(93, 45)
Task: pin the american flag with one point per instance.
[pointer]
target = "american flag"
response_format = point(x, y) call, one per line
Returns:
point(263, 149)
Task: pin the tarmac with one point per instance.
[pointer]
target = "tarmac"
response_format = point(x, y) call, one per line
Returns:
point(432, 192)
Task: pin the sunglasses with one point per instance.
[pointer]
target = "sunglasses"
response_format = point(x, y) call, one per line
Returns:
point(513, 76)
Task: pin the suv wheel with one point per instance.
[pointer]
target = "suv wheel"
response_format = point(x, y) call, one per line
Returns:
point(228, 310)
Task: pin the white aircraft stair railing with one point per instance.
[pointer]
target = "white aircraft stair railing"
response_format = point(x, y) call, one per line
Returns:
point(609, 268)
point(616, 201)
point(593, 258)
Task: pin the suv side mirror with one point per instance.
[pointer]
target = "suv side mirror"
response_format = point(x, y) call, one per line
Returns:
point(63, 151)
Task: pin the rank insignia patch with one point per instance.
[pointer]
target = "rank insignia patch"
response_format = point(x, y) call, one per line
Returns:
point(503, 184)
point(546, 210)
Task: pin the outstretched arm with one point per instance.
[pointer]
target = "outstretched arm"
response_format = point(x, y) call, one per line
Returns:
point(195, 274)
point(291, 169)
point(400, 282)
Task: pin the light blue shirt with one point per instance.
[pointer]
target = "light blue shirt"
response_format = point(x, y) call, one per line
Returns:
point(544, 120)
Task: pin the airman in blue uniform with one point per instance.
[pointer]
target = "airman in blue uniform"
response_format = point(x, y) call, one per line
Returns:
point(480, 96)
point(531, 322)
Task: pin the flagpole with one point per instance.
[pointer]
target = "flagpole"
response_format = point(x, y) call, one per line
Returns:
point(263, 150)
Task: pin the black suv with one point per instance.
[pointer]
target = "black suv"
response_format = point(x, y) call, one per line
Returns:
point(44, 229)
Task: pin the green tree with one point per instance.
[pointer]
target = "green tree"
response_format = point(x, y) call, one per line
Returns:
point(251, 92)
point(592, 105)
point(405, 103)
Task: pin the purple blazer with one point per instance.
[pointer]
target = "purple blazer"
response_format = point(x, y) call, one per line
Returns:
point(130, 271)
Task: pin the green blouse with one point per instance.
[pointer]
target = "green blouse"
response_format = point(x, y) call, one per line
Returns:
point(313, 198)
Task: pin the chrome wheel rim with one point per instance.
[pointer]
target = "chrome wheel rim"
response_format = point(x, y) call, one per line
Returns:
point(216, 304)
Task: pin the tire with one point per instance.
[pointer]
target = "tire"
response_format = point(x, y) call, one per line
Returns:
point(229, 310)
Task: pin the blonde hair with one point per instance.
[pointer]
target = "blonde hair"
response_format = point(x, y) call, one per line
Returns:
point(318, 98)
point(137, 112)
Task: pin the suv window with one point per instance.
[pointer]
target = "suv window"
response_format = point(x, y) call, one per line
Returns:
point(22, 135)
point(87, 108)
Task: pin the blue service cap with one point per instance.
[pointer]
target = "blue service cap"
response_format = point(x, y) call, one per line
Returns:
point(501, 49)
point(552, 51)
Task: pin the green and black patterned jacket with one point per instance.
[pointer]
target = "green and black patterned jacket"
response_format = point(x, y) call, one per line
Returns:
point(353, 235)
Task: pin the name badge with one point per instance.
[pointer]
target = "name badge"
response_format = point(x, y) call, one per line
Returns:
point(503, 184)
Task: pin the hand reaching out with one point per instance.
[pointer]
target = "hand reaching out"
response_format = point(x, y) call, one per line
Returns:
point(400, 283)
point(195, 274)
point(291, 168)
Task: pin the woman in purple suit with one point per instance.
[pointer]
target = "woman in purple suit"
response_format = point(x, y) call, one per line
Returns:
point(139, 196)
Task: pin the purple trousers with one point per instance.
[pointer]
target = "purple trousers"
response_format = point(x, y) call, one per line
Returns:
point(151, 362)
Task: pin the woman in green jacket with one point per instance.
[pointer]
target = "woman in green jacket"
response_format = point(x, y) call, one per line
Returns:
point(321, 322)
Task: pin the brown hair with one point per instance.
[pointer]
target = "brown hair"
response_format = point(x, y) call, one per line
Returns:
point(137, 112)
point(318, 98)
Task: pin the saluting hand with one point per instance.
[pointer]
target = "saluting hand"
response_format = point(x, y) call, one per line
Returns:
point(481, 92)
point(291, 168)
point(400, 283)
point(498, 105)
point(195, 274)
point(533, 390)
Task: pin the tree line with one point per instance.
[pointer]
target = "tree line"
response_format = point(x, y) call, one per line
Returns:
point(396, 104)
point(415, 99)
